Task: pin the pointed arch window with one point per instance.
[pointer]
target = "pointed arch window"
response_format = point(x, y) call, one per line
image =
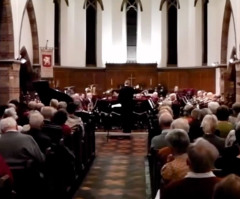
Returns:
point(172, 6)
point(91, 19)
point(132, 7)
point(205, 30)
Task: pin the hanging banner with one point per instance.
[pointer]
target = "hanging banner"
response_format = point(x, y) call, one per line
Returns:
point(46, 58)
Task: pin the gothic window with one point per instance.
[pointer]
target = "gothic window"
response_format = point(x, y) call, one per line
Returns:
point(91, 14)
point(57, 33)
point(131, 21)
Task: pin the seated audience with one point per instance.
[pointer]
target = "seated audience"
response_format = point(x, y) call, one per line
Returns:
point(176, 167)
point(231, 137)
point(54, 103)
point(159, 141)
point(228, 188)
point(224, 126)
point(213, 106)
point(36, 123)
point(200, 181)
point(229, 162)
point(235, 111)
point(195, 130)
point(73, 120)
point(16, 147)
point(60, 118)
point(209, 125)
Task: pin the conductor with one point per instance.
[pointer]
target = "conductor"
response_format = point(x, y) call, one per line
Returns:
point(125, 98)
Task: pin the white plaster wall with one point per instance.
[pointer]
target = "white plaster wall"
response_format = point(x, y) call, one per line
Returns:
point(189, 34)
point(73, 34)
point(156, 32)
point(44, 12)
point(215, 20)
point(144, 48)
point(231, 38)
point(106, 32)
point(118, 51)
point(26, 37)
point(164, 37)
point(17, 13)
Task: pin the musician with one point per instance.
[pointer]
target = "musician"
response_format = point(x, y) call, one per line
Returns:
point(125, 98)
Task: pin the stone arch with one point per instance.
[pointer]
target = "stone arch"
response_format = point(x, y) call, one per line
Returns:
point(6, 30)
point(225, 30)
point(29, 8)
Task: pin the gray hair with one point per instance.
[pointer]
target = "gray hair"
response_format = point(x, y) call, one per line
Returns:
point(7, 123)
point(165, 119)
point(36, 120)
point(11, 112)
point(202, 155)
point(180, 123)
point(213, 106)
point(179, 140)
point(209, 123)
point(47, 112)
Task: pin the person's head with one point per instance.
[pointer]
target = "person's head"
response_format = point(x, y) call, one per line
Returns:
point(209, 123)
point(36, 120)
point(178, 140)
point(213, 106)
point(165, 120)
point(187, 109)
point(54, 103)
point(62, 104)
point(223, 113)
point(10, 112)
point(236, 108)
point(8, 124)
point(127, 82)
point(32, 105)
point(180, 123)
point(173, 96)
point(60, 117)
point(201, 156)
point(196, 114)
point(48, 112)
point(165, 108)
point(204, 112)
point(227, 188)
point(39, 105)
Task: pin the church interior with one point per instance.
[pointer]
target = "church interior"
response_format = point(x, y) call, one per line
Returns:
point(63, 65)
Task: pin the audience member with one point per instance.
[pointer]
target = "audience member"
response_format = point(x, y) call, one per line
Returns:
point(224, 126)
point(228, 188)
point(200, 181)
point(195, 130)
point(159, 141)
point(36, 123)
point(176, 167)
point(209, 125)
point(16, 147)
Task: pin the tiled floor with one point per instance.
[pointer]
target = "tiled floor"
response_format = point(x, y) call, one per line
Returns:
point(118, 171)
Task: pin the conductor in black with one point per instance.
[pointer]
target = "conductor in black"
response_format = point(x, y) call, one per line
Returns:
point(125, 98)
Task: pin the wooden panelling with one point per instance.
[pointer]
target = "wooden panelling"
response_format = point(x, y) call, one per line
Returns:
point(146, 75)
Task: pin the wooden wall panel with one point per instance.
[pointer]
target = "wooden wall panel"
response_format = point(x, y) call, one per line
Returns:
point(147, 75)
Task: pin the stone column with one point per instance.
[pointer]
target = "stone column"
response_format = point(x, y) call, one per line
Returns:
point(9, 80)
point(237, 82)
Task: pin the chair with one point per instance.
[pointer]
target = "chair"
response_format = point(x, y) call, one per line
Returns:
point(28, 180)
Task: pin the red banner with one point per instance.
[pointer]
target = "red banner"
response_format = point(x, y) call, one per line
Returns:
point(46, 56)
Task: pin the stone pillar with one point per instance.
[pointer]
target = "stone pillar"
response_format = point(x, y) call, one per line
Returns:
point(9, 80)
point(237, 82)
